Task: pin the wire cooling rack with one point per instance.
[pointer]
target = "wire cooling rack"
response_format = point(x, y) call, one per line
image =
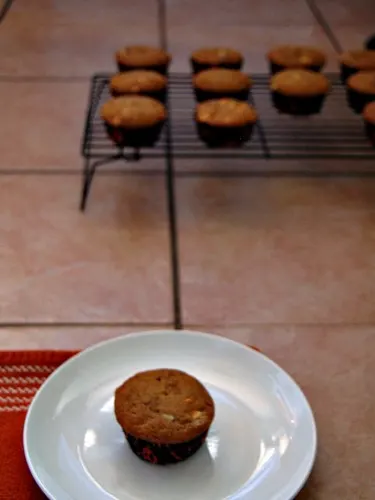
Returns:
point(334, 134)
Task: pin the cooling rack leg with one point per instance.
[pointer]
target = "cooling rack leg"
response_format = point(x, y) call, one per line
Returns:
point(87, 178)
point(137, 154)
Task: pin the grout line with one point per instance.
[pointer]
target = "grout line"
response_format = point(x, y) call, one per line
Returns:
point(44, 79)
point(5, 9)
point(215, 174)
point(198, 326)
point(170, 185)
point(278, 174)
point(232, 326)
point(173, 231)
point(16, 325)
point(261, 131)
point(162, 24)
point(78, 172)
point(322, 21)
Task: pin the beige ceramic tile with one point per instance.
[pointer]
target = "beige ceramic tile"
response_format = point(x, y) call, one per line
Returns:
point(42, 124)
point(341, 13)
point(252, 28)
point(351, 22)
point(73, 38)
point(110, 264)
point(334, 367)
point(277, 250)
point(352, 37)
point(64, 338)
point(237, 167)
point(239, 12)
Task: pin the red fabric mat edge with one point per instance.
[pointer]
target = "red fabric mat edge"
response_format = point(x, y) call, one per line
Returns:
point(35, 357)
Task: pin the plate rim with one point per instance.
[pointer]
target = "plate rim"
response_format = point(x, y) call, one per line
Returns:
point(295, 489)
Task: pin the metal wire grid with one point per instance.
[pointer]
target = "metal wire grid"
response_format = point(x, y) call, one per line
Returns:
point(336, 133)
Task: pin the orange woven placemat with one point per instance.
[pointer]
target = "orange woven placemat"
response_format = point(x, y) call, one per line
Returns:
point(21, 375)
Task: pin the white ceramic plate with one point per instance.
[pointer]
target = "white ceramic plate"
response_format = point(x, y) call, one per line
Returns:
point(261, 445)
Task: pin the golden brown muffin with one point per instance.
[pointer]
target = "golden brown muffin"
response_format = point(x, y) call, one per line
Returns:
point(369, 121)
point(225, 113)
point(369, 112)
point(361, 60)
point(360, 90)
point(363, 81)
point(142, 82)
point(225, 122)
point(221, 82)
point(299, 92)
point(165, 414)
point(143, 57)
point(133, 112)
point(164, 406)
point(300, 82)
point(295, 57)
point(137, 81)
point(211, 57)
point(133, 121)
point(353, 61)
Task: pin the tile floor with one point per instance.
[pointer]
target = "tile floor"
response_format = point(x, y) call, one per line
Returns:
point(286, 264)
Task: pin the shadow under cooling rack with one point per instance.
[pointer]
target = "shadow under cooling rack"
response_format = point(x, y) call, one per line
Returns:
point(336, 133)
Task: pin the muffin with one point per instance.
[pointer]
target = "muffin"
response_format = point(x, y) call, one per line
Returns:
point(369, 120)
point(360, 90)
point(133, 121)
point(143, 57)
point(215, 57)
point(218, 83)
point(353, 61)
point(165, 415)
point(225, 122)
point(295, 57)
point(299, 91)
point(142, 82)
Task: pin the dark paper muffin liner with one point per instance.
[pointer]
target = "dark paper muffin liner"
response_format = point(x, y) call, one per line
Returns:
point(197, 67)
point(204, 95)
point(224, 137)
point(276, 68)
point(162, 454)
point(159, 95)
point(346, 72)
point(297, 105)
point(159, 68)
point(370, 43)
point(134, 138)
point(370, 132)
point(358, 100)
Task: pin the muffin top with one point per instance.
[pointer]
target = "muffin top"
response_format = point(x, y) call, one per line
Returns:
point(300, 82)
point(359, 59)
point(217, 55)
point(142, 55)
point(164, 406)
point(133, 111)
point(369, 112)
point(138, 81)
point(221, 80)
point(295, 56)
point(363, 81)
point(225, 113)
